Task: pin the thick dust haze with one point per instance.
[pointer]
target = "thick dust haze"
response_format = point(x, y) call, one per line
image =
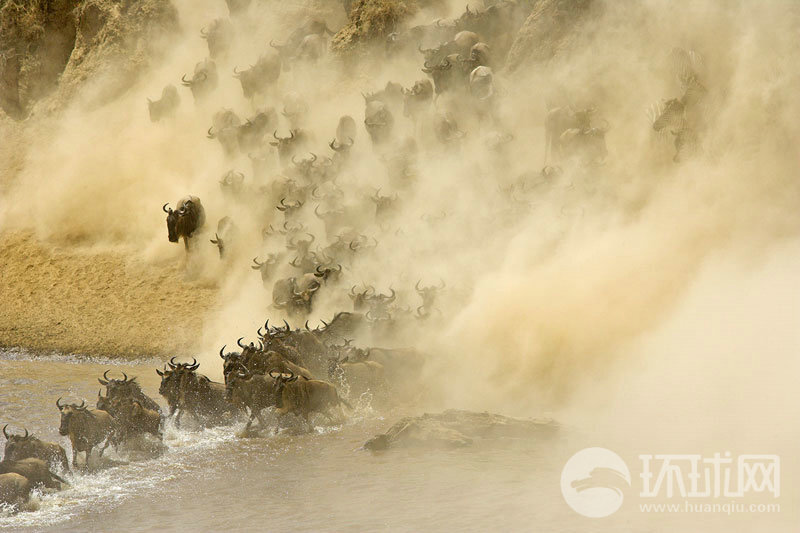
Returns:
point(555, 287)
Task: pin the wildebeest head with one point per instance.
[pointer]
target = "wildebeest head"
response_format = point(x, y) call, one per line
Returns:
point(232, 182)
point(328, 272)
point(15, 444)
point(218, 36)
point(287, 146)
point(265, 267)
point(442, 73)
point(361, 299)
point(289, 208)
point(378, 120)
point(68, 412)
point(204, 80)
point(418, 98)
point(184, 221)
point(428, 294)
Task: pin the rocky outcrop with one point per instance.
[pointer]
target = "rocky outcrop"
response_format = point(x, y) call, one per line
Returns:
point(547, 31)
point(457, 429)
point(49, 49)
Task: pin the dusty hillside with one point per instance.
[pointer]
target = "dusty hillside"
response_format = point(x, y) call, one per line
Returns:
point(48, 50)
point(96, 302)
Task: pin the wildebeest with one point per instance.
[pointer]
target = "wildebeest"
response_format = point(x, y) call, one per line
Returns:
point(295, 295)
point(225, 128)
point(226, 233)
point(165, 106)
point(559, 120)
point(289, 146)
point(418, 99)
point(378, 120)
point(184, 222)
point(446, 129)
point(14, 488)
point(298, 41)
point(128, 389)
point(258, 78)
point(186, 391)
point(219, 37)
point(304, 397)
point(35, 470)
point(445, 76)
point(266, 267)
point(360, 375)
point(250, 391)
point(86, 428)
point(250, 135)
point(204, 80)
point(24, 446)
point(137, 419)
point(428, 294)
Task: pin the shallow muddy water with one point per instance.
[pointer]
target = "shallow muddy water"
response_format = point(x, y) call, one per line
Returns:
point(322, 481)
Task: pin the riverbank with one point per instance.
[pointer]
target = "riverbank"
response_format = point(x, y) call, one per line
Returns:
point(96, 302)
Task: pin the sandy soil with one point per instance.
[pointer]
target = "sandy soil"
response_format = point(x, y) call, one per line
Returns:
point(96, 303)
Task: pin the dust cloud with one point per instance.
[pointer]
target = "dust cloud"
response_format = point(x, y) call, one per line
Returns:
point(556, 284)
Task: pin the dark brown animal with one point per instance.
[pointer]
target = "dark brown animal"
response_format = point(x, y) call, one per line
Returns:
point(189, 218)
point(25, 446)
point(86, 428)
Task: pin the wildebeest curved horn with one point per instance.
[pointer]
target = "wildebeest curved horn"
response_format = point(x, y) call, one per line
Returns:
point(275, 134)
point(293, 262)
point(274, 375)
point(125, 376)
point(164, 208)
point(266, 326)
point(291, 134)
point(210, 133)
point(353, 290)
point(445, 64)
point(105, 374)
point(468, 11)
point(295, 163)
point(260, 346)
point(222, 351)
point(313, 156)
point(204, 32)
point(58, 404)
point(172, 362)
point(82, 405)
point(239, 342)
point(185, 81)
point(287, 325)
point(275, 46)
point(417, 286)
point(392, 297)
point(307, 328)
point(5, 434)
point(236, 73)
point(257, 265)
point(326, 324)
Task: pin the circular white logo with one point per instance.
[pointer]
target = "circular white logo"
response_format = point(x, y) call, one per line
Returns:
point(593, 482)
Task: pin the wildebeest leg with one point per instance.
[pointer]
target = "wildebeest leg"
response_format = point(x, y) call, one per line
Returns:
point(186, 244)
point(262, 423)
point(74, 457)
point(178, 418)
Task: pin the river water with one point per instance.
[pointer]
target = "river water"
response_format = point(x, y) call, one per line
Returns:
point(211, 480)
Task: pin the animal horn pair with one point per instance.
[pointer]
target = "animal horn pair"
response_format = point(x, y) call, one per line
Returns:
point(7, 436)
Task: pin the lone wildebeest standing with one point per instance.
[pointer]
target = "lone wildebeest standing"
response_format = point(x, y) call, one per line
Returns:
point(186, 220)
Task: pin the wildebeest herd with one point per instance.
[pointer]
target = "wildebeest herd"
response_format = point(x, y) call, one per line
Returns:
point(321, 370)
point(277, 371)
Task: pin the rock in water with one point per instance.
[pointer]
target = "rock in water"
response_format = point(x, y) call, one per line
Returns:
point(456, 429)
